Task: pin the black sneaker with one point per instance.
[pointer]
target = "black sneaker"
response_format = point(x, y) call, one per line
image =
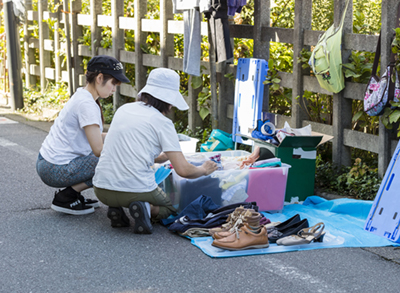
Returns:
point(73, 207)
point(89, 202)
point(138, 211)
point(118, 217)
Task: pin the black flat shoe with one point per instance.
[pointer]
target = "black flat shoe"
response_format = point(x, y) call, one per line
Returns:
point(284, 225)
point(291, 230)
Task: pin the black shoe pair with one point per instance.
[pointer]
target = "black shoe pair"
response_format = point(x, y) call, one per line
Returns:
point(69, 201)
point(290, 227)
point(138, 211)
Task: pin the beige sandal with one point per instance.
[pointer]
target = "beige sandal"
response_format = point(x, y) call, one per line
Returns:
point(304, 236)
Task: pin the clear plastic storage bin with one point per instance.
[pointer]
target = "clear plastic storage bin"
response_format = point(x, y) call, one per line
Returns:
point(266, 186)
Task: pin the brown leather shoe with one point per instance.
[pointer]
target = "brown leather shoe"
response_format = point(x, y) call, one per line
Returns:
point(250, 217)
point(244, 238)
point(232, 218)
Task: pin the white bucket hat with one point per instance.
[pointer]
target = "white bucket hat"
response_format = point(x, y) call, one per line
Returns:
point(163, 84)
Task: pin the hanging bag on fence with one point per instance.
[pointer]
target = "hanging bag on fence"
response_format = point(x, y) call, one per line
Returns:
point(380, 91)
point(326, 58)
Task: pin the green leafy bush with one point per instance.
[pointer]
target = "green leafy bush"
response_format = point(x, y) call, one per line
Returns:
point(359, 181)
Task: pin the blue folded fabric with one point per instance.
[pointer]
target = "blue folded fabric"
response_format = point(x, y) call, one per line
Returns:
point(197, 209)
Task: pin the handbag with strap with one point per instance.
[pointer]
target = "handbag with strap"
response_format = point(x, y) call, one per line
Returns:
point(380, 91)
point(326, 58)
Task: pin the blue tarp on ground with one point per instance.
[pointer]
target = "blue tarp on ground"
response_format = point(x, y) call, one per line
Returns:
point(344, 221)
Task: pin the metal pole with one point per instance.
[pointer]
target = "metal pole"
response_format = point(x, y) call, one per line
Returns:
point(14, 56)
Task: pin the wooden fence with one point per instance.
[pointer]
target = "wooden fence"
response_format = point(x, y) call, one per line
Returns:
point(301, 36)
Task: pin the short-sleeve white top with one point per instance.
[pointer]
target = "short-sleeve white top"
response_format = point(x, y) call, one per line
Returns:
point(137, 135)
point(67, 138)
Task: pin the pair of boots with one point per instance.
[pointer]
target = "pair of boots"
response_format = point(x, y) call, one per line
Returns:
point(242, 231)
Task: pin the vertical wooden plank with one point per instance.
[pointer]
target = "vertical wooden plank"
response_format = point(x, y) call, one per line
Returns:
point(194, 119)
point(30, 79)
point(95, 10)
point(167, 43)
point(261, 47)
point(140, 38)
point(213, 78)
point(342, 107)
point(68, 45)
point(302, 22)
point(389, 15)
point(166, 40)
point(57, 47)
point(76, 33)
point(44, 56)
point(118, 42)
point(226, 97)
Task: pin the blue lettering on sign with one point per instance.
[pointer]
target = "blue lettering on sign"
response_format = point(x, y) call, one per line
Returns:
point(390, 182)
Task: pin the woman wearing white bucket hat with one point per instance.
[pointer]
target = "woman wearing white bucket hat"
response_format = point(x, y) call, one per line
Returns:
point(139, 136)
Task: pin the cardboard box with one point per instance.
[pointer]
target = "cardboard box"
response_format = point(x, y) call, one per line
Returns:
point(300, 152)
point(266, 186)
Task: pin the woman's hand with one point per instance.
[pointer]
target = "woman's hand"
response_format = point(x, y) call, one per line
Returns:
point(249, 161)
point(209, 167)
point(252, 158)
point(184, 169)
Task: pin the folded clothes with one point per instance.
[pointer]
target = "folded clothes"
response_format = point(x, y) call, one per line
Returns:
point(274, 164)
point(271, 160)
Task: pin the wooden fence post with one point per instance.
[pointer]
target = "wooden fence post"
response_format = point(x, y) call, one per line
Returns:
point(261, 43)
point(30, 79)
point(194, 119)
point(226, 97)
point(76, 33)
point(57, 47)
point(166, 40)
point(342, 107)
point(389, 15)
point(118, 42)
point(95, 9)
point(213, 78)
point(302, 22)
point(44, 56)
point(140, 38)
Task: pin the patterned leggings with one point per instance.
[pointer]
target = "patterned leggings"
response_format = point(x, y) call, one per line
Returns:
point(80, 169)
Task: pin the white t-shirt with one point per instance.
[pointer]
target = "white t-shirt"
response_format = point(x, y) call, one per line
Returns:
point(67, 139)
point(137, 135)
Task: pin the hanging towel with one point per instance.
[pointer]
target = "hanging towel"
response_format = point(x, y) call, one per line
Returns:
point(191, 34)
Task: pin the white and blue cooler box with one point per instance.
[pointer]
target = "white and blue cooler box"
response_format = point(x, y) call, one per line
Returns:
point(249, 91)
point(384, 217)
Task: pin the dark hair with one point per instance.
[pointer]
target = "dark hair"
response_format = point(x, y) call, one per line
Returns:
point(149, 100)
point(91, 77)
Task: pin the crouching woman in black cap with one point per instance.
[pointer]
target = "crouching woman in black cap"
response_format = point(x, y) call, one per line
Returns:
point(70, 152)
point(139, 136)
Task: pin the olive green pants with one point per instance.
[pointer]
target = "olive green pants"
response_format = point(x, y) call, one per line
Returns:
point(157, 197)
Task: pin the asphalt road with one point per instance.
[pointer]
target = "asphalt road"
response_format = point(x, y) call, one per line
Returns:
point(45, 251)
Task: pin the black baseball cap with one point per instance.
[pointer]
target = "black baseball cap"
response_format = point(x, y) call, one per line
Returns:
point(109, 65)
